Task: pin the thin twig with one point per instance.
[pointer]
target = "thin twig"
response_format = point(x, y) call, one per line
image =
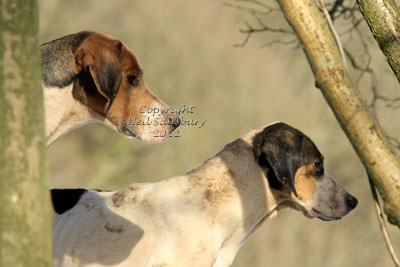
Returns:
point(335, 35)
point(293, 41)
point(394, 141)
point(334, 8)
point(382, 225)
point(249, 9)
point(258, 3)
point(264, 28)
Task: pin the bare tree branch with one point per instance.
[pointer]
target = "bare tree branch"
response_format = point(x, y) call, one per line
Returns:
point(369, 141)
point(383, 18)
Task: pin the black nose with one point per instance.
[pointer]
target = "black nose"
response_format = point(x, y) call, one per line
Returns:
point(176, 121)
point(351, 201)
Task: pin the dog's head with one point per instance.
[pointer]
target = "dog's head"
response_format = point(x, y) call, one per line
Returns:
point(110, 82)
point(295, 169)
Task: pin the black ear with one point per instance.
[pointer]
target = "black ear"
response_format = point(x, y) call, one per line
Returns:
point(107, 78)
point(106, 74)
point(284, 166)
point(276, 151)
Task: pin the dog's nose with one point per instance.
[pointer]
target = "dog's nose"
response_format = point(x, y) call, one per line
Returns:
point(351, 201)
point(176, 121)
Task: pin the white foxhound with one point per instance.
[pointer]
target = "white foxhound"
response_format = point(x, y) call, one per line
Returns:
point(202, 218)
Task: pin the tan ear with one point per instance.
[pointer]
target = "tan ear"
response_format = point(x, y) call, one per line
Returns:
point(104, 68)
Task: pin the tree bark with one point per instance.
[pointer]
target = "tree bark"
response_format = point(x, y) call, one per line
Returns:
point(25, 212)
point(373, 148)
point(383, 18)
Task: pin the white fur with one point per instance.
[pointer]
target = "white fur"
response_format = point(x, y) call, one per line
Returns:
point(64, 113)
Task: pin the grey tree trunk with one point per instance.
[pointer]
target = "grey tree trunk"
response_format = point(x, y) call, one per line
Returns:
point(375, 151)
point(25, 212)
point(383, 18)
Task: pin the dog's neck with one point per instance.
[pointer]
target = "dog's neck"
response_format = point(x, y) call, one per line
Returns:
point(223, 200)
point(64, 113)
point(238, 195)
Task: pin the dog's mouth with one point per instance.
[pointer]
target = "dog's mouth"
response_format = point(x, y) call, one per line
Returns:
point(323, 217)
point(310, 213)
point(128, 132)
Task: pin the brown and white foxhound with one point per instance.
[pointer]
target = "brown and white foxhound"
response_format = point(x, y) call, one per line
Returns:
point(203, 217)
point(89, 76)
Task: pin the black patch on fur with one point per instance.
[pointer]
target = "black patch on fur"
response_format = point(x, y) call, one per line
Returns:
point(65, 199)
point(109, 80)
point(85, 82)
point(270, 174)
point(58, 57)
point(119, 46)
point(281, 149)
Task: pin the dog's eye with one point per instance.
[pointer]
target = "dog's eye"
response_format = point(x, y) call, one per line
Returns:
point(319, 167)
point(133, 80)
point(318, 164)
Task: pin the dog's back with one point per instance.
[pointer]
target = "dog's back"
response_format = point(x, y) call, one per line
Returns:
point(135, 226)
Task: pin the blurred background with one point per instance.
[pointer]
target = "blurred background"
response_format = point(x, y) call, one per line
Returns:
point(188, 53)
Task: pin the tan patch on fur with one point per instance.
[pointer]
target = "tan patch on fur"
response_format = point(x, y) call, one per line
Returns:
point(221, 190)
point(238, 147)
point(126, 104)
point(146, 205)
point(129, 100)
point(135, 187)
point(118, 198)
point(305, 183)
point(93, 52)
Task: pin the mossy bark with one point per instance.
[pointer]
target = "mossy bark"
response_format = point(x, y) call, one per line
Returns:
point(376, 153)
point(383, 18)
point(25, 212)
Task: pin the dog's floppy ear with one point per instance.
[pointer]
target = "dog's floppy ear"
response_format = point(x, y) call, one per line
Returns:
point(273, 151)
point(104, 69)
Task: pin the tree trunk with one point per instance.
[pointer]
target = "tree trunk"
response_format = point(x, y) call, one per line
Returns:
point(376, 153)
point(383, 18)
point(25, 212)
